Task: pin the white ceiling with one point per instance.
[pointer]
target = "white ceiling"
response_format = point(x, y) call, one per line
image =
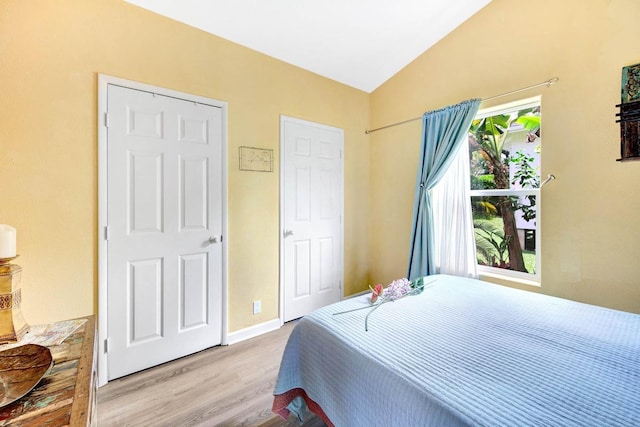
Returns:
point(361, 43)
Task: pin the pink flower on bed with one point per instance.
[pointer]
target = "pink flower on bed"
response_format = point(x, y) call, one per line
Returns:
point(394, 290)
point(397, 289)
point(376, 292)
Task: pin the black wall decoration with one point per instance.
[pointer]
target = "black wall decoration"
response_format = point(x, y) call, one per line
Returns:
point(629, 114)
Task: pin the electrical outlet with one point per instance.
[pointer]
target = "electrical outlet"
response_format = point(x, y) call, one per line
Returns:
point(257, 306)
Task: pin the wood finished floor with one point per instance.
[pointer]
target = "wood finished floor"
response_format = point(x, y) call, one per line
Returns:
point(222, 386)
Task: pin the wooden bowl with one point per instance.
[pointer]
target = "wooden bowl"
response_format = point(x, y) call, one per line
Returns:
point(21, 369)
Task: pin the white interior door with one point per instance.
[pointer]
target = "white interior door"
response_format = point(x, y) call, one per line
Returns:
point(312, 207)
point(164, 228)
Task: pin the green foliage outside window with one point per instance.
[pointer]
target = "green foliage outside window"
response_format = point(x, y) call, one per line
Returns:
point(497, 243)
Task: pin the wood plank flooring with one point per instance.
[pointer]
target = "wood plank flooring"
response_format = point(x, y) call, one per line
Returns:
point(222, 386)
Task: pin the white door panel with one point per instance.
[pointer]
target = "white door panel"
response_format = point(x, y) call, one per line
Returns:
point(312, 187)
point(164, 202)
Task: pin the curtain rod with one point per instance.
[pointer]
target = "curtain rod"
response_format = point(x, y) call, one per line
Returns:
point(546, 83)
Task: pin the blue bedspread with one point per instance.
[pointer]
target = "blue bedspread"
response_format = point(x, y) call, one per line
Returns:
point(468, 353)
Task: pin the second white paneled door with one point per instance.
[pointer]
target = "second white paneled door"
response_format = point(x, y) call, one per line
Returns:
point(165, 221)
point(312, 209)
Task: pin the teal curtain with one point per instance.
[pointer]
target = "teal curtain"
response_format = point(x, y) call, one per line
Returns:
point(443, 132)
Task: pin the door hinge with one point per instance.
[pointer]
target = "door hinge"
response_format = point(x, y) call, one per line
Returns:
point(106, 345)
point(106, 233)
point(106, 120)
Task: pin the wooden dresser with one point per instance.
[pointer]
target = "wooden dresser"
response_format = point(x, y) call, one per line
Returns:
point(67, 394)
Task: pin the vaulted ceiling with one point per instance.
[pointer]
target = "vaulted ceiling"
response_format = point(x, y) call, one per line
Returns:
point(361, 43)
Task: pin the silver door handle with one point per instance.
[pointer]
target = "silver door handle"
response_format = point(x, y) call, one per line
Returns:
point(214, 239)
point(287, 233)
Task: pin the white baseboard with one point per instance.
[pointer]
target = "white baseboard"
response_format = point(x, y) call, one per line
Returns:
point(357, 294)
point(253, 331)
point(262, 328)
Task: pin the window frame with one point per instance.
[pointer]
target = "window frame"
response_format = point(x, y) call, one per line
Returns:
point(533, 279)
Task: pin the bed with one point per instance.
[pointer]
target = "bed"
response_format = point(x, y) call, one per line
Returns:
point(463, 353)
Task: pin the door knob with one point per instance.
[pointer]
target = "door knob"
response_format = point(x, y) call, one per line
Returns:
point(214, 239)
point(288, 233)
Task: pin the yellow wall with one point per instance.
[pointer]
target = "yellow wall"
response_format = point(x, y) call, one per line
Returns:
point(51, 52)
point(590, 214)
point(50, 55)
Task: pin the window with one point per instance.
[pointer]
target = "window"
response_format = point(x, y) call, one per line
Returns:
point(505, 149)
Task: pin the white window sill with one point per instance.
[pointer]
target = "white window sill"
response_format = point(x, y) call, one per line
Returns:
point(508, 280)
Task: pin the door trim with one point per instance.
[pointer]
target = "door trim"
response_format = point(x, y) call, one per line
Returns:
point(103, 82)
point(284, 119)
